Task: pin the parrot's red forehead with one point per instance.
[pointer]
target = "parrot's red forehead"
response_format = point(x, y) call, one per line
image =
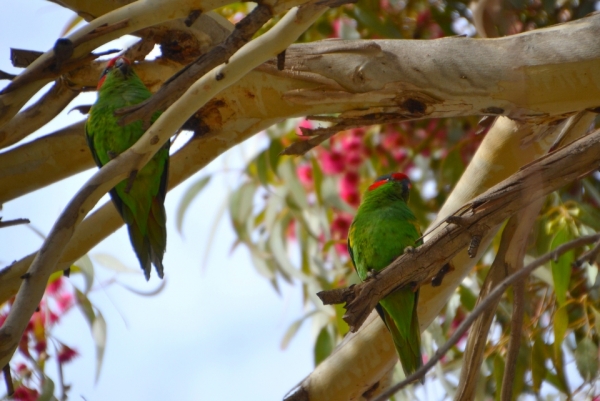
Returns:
point(111, 63)
point(387, 178)
point(399, 176)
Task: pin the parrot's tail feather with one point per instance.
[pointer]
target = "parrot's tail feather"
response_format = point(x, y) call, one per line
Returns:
point(157, 235)
point(140, 243)
point(402, 321)
point(410, 358)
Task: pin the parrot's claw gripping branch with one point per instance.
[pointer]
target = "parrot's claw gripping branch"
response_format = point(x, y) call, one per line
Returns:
point(472, 221)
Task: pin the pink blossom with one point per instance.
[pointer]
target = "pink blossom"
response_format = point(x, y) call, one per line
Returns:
point(352, 198)
point(350, 179)
point(340, 225)
point(339, 232)
point(291, 230)
point(354, 159)
point(399, 155)
point(65, 301)
point(332, 162)
point(352, 144)
point(55, 286)
point(423, 18)
point(53, 317)
point(40, 346)
point(341, 248)
point(305, 174)
point(349, 188)
point(392, 140)
point(22, 369)
point(66, 354)
point(23, 393)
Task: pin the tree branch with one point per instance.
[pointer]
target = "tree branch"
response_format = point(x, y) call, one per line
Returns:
point(178, 84)
point(15, 222)
point(39, 114)
point(539, 178)
point(488, 302)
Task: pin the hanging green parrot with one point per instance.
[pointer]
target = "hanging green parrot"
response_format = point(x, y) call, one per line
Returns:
point(382, 229)
point(139, 200)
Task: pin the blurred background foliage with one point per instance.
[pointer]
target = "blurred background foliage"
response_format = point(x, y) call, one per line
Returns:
point(293, 214)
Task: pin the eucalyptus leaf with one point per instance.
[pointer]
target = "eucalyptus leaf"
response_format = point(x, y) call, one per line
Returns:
point(186, 200)
point(85, 266)
point(586, 359)
point(99, 336)
point(561, 269)
point(47, 393)
point(113, 263)
point(323, 346)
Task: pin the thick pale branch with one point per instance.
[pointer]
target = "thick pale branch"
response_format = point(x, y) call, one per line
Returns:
point(44, 161)
point(539, 75)
point(40, 113)
point(270, 44)
point(484, 306)
point(539, 178)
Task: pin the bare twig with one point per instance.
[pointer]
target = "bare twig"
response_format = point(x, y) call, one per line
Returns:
point(483, 306)
point(8, 223)
point(10, 387)
point(487, 210)
point(590, 256)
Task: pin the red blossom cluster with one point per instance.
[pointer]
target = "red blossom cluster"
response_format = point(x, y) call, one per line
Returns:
point(426, 27)
point(391, 149)
point(346, 153)
point(58, 299)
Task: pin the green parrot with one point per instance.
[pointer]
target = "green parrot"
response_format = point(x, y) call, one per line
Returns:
point(140, 199)
point(382, 229)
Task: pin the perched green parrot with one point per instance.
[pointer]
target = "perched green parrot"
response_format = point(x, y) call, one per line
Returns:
point(140, 199)
point(382, 229)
